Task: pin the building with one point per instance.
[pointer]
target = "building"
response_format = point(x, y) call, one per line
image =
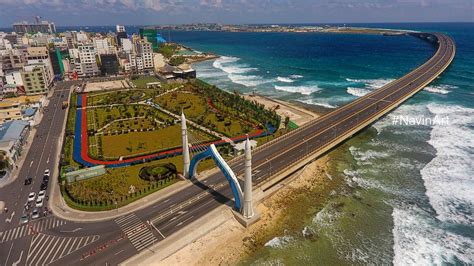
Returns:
point(57, 64)
point(127, 45)
point(40, 55)
point(10, 109)
point(109, 64)
point(13, 135)
point(152, 36)
point(34, 79)
point(103, 46)
point(88, 61)
point(26, 27)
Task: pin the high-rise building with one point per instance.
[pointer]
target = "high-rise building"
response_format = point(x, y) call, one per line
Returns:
point(109, 64)
point(121, 34)
point(27, 27)
point(152, 36)
point(87, 59)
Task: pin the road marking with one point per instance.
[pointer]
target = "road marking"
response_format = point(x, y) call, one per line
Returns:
point(9, 254)
point(118, 252)
point(136, 231)
point(181, 223)
point(72, 231)
point(19, 259)
point(9, 220)
point(31, 163)
point(156, 229)
point(45, 249)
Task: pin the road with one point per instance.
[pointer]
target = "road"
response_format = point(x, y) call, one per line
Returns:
point(112, 242)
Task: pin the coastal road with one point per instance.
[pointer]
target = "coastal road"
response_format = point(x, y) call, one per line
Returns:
point(112, 242)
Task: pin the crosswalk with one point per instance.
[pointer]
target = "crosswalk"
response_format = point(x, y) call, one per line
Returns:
point(136, 231)
point(32, 228)
point(45, 249)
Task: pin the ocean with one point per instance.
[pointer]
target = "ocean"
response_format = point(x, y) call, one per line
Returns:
point(411, 196)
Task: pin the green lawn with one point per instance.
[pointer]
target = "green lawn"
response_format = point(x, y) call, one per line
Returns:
point(116, 182)
point(141, 81)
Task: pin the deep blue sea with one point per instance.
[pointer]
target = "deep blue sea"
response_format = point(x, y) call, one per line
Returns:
point(416, 182)
point(413, 185)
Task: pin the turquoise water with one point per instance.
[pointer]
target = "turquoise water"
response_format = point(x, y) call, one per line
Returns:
point(409, 189)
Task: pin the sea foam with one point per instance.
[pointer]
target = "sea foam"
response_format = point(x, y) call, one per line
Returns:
point(449, 177)
point(303, 89)
point(419, 241)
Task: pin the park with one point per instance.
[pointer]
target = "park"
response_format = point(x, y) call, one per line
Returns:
point(134, 133)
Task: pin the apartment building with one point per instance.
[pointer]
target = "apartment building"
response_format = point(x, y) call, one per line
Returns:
point(88, 61)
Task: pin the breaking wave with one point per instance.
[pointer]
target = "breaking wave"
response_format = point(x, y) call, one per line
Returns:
point(303, 89)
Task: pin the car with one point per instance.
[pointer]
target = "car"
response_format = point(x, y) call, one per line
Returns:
point(45, 178)
point(44, 185)
point(39, 202)
point(24, 219)
point(41, 194)
point(31, 196)
point(35, 214)
point(47, 172)
point(28, 181)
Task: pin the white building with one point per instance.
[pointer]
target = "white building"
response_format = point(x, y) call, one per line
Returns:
point(87, 59)
point(103, 46)
point(127, 45)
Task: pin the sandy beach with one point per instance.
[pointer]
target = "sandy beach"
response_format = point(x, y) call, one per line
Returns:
point(231, 242)
point(298, 115)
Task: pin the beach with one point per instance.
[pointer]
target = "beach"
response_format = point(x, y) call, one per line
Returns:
point(230, 242)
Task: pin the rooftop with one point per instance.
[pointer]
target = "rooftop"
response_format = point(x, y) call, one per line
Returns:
point(12, 130)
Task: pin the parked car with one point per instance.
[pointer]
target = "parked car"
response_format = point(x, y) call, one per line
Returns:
point(45, 178)
point(39, 202)
point(41, 194)
point(47, 172)
point(31, 196)
point(43, 186)
point(24, 219)
point(28, 181)
point(35, 214)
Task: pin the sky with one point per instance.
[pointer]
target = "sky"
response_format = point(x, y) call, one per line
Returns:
point(154, 12)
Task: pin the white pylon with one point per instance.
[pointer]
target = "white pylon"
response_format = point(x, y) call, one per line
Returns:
point(248, 206)
point(184, 135)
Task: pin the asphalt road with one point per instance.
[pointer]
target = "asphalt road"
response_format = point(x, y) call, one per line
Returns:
point(111, 242)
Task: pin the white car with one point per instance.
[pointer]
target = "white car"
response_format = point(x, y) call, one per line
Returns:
point(41, 194)
point(35, 214)
point(47, 172)
point(39, 202)
point(31, 196)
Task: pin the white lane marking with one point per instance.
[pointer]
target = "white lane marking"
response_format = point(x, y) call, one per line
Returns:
point(58, 249)
point(8, 220)
point(118, 252)
point(9, 253)
point(53, 240)
point(72, 245)
point(156, 229)
point(181, 223)
point(72, 231)
point(65, 247)
point(19, 259)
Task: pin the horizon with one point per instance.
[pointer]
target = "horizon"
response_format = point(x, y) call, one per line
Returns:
point(161, 12)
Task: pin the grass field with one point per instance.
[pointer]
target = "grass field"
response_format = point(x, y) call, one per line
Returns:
point(142, 81)
point(195, 108)
point(117, 181)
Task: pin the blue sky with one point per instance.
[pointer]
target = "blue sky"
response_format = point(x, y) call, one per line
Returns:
point(111, 12)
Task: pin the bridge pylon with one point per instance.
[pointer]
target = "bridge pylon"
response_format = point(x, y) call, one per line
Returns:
point(247, 210)
point(184, 136)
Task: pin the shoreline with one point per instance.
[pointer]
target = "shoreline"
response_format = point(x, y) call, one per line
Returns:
point(231, 243)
